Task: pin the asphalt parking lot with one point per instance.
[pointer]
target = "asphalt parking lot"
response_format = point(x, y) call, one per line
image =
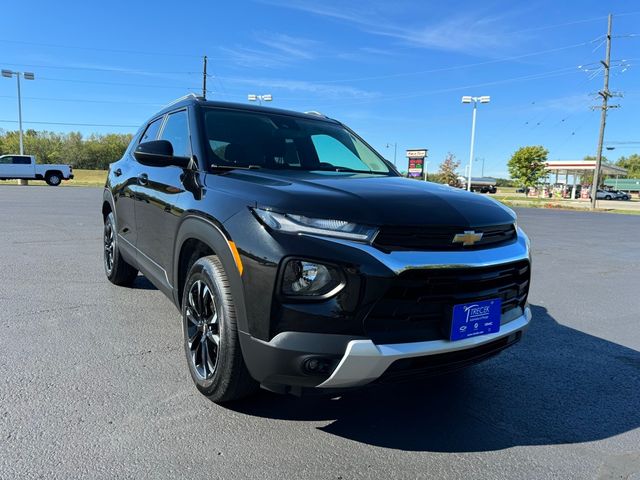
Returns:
point(93, 383)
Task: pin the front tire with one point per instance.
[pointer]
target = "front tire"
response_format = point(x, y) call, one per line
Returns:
point(117, 270)
point(211, 341)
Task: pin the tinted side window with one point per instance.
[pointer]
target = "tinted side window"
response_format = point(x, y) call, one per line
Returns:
point(6, 160)
point(152, 131)
point(176, 131)
point(21, 160)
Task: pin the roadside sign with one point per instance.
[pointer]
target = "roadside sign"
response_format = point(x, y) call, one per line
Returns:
point(416, 158)
point(421, 153)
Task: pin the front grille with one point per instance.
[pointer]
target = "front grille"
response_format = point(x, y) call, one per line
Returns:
point(418, 304)
point(408, 369)
point(441, 238)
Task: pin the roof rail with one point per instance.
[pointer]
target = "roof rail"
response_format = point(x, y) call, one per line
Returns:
point(185, 97)
point(318, 114)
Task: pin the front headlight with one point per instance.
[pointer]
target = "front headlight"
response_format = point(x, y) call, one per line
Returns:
point(307, 278)
point(298, 224)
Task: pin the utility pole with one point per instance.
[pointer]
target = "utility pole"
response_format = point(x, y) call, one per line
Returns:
point(605, 94)
point(204, 77)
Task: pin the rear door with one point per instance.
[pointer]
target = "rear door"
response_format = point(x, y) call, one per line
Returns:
point(159, 200)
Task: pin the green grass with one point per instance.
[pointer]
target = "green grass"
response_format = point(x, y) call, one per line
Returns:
point(504, 190)
point(87, 178)
point(550, 204)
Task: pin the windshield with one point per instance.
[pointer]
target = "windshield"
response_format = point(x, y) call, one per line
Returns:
point(266, 140)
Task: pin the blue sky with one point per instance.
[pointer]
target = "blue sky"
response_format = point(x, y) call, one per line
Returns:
point(392, 70)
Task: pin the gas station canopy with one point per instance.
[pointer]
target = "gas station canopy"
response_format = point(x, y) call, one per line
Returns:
point(575, 167)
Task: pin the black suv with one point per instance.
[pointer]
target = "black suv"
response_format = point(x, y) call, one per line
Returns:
point(300, 258)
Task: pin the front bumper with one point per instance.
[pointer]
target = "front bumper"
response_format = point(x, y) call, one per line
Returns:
point(348, 332)
point(364, 361)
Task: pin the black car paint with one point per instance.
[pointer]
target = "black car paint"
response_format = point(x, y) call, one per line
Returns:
point(158, 209)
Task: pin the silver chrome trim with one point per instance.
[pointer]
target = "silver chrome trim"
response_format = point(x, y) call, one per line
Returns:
point(184, 97)
point(364, 361)
point(148, 258)
point(401, 261)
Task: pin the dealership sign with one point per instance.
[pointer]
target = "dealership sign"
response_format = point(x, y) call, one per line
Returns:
point(416, 161)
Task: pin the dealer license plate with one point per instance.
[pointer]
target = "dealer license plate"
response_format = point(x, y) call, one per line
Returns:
point(475, 318)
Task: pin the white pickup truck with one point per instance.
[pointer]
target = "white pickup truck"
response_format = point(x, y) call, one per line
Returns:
point(24, 167)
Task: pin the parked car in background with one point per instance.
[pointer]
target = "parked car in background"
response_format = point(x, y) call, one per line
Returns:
point(619, 195)
point(301, 260)
point(605, 195)
point(24, 167)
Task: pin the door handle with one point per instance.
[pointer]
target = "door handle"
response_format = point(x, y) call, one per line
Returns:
point(143, 179)
point(117, 172)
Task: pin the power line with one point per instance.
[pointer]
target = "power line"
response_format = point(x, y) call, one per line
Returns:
point(123, 70)
point(75, 124)
point(535, 76)
point(95, 82)
point(459, 67)
point(85, 100)
point(97, 49)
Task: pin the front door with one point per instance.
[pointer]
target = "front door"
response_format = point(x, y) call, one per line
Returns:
point(125, 189)
point(160, 193)
point(17, 166)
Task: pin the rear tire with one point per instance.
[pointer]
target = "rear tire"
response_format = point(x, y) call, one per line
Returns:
point(53, 178)
point(117, 270)
point(211, 340)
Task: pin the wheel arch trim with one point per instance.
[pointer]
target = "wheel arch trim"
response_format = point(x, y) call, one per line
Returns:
point(218, 240)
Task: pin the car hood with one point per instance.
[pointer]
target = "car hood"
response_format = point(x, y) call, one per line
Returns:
point(363, 198)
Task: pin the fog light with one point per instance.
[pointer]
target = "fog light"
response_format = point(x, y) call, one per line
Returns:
point(317, 365)
point(305, 278)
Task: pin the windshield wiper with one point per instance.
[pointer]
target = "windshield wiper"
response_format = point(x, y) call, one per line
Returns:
point(346, 169)
point(235, 167)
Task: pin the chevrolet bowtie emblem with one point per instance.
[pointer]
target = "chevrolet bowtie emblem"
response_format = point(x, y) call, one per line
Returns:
point(469, 237)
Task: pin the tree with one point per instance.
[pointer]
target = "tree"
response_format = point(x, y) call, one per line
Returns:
point(447, 173)
point(527, 165)
point(631, 163)
point(93, 152)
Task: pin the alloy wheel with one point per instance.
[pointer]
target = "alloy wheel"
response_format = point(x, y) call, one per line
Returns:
point(202, 328)
point(109, 246)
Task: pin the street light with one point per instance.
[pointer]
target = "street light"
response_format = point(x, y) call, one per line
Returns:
point(395, 152)
point(474, 100)
point(27, 76)
point(260, 98)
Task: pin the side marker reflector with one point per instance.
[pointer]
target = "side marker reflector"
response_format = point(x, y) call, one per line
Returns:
point(236, 256)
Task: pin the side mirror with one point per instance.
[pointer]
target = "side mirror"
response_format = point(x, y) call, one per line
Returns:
point(159, 153)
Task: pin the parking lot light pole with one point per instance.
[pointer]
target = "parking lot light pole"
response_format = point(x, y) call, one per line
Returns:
point(474, 100)
point(260, 98)
point(395, 152)
point(27, 76)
